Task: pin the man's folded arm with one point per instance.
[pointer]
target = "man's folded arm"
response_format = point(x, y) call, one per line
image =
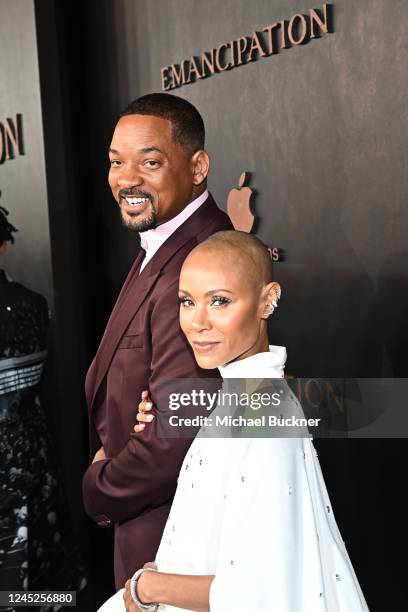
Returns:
point(144, 474)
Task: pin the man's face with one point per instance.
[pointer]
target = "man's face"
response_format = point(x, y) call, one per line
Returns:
point(151, 177)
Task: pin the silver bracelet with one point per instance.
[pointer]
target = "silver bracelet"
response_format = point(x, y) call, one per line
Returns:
point(149, 607)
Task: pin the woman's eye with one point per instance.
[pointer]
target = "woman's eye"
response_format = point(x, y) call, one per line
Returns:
point(186, 302)
point(219, 300)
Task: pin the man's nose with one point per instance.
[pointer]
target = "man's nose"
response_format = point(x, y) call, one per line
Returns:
point(129, 178)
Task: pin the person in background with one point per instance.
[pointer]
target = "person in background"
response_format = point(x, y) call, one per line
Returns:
point(36, 551)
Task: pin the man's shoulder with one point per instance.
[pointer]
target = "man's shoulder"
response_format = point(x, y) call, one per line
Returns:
point(218, 220)
point(206, 220)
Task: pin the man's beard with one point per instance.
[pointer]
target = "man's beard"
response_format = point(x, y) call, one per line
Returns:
point(134, 223)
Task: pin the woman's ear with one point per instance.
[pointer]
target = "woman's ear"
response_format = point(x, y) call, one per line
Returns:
point(201, 166)
point(271, 294)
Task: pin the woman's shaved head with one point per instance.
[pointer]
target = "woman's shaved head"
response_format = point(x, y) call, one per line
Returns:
point(226, 295)
point(245, 250)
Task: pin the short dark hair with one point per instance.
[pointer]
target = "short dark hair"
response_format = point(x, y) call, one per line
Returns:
point(6, 228)
point(187, 123)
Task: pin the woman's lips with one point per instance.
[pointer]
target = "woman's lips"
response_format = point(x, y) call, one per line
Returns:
point(204, 346)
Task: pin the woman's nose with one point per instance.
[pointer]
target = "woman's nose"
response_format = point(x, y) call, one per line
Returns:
point(200, 319)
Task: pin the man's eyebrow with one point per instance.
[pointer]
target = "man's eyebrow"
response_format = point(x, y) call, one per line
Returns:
point(143, 150)
point(150, 150)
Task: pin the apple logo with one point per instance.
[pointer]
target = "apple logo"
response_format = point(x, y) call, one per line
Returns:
point(238, 205)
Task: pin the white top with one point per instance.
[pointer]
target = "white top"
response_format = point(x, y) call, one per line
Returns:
point(255, 513)
point(262, 365)
point(152, 239)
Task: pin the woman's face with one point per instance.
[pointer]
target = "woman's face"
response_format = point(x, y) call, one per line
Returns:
point(222, 308)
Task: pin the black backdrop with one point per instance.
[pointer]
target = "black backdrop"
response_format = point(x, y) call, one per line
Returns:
point(322, 127)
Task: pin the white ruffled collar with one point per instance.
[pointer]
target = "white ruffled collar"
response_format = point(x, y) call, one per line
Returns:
point(270, 364)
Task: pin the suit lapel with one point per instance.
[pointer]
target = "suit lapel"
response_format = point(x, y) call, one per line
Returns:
point(136, 294)
point(133, 272)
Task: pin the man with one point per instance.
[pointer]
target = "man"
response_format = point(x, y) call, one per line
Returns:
point(158, 172)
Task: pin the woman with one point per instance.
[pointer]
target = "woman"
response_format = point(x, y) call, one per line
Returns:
point(251, 525)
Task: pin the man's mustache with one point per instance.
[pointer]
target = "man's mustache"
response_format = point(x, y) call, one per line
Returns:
point(135, 193)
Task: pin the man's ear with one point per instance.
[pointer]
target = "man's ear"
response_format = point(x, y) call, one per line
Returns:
point(201, 165)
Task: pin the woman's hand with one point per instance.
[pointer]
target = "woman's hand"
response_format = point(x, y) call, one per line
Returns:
point(178, 590)
point(144, 416)
point(128, 601)
point(127, 597)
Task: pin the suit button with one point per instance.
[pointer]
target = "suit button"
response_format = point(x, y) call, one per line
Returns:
point(103, 521)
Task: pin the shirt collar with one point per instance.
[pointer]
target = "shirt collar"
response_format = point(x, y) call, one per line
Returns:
point(152, 239)
point(270, 364)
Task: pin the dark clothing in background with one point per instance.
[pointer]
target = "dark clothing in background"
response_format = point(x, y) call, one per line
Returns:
point(36, 551)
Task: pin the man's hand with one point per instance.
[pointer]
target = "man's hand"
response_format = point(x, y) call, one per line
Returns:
point(99, 455)
point(143, 416)
point(150, 564)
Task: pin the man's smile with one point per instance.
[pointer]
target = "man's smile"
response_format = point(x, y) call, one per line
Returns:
point(136, 202)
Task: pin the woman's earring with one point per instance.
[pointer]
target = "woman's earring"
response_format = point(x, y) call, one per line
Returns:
point(269, 311)
point(274, 304)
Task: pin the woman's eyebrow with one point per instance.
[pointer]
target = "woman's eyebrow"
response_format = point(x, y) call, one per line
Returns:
point(211, 292)
point(217, 290)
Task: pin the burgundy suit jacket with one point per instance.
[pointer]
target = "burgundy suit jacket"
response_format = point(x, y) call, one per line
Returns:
point(143, 344)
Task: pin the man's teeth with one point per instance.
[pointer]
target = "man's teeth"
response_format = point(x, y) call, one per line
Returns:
point(135, 201)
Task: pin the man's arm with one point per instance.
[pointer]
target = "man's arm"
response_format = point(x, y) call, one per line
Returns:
point(144, 474)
